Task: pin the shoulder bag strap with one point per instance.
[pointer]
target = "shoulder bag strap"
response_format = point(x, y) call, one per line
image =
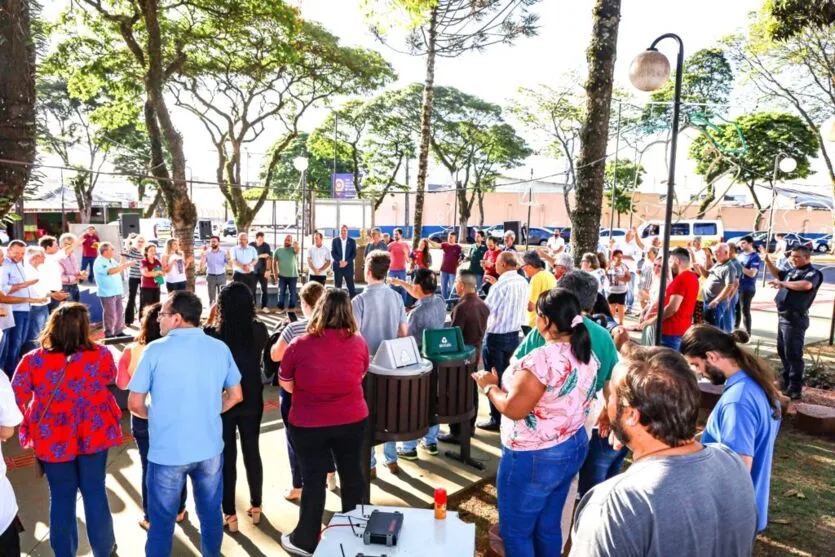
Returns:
point(57, 385)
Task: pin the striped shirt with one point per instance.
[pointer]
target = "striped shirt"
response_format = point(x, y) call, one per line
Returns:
point(294, 330)
point(508, 303)
point(135, 255)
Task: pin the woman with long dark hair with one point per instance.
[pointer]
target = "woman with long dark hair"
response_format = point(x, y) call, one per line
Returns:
point(71, 420)
point(323, 369)
point(747, 417)
point(543, 402)
point(148, 332)
point(245, 336)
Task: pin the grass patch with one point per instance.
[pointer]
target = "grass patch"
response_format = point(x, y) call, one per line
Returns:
point(801, 512)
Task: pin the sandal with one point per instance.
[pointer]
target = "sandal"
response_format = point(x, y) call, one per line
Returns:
point(181, 517)
point(145, 524)
point(255, 514)
point(332, 481)
point(230, 521)
point(293, 494)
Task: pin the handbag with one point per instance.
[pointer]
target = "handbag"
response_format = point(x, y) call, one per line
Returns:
point(39, 469)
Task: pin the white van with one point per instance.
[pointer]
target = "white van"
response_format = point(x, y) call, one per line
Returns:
point(681, 232)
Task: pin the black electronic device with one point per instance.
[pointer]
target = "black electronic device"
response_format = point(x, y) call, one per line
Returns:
point(128, 224)
point(204, 229)
point(383, 528)
point(514, 226)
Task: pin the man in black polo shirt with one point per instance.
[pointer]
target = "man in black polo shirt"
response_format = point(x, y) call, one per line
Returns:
point(798, 288)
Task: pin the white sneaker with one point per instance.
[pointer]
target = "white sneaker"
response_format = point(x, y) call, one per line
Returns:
point(292, 549)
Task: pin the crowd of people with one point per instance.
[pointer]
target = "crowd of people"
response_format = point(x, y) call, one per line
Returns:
point(569, 392)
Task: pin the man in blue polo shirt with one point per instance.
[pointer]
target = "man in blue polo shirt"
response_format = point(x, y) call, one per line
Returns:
point(111, 288)
point(747, 417)
point(192, 379)
point(751, 263)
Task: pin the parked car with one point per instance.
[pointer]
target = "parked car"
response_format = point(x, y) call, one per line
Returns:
point(683, 231)
point(792, 240)
point(821, 245)
point(230, 228)
point(441, 235)
point(617, 233)
point(539, 235)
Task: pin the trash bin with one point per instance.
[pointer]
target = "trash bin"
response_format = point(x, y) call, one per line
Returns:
point(397, 391)
point(453, 387)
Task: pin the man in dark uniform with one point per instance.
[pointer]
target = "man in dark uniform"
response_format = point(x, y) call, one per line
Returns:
point(798, 287)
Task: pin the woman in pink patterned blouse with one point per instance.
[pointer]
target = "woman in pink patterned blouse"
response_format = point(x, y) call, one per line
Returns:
point(544, 402)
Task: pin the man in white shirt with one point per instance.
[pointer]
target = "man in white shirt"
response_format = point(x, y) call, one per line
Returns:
point(318, 259)
point(556, 244)
point(50, 271)
point(10, 417)
point(508, 303)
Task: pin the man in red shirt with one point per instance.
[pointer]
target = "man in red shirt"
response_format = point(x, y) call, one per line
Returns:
point(680, 299)
point(453, 253)
point(89, 251)
point(488, 263)
point(399, 252)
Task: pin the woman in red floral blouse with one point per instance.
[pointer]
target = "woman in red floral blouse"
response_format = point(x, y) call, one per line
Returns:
point(71, 419)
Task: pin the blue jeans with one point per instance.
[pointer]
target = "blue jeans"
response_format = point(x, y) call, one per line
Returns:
point(447, 283)
point(630, 292)
point(718, 316)
point(498, 348)
point(65, 479)
point(479, 280)
point(139, 428)
point(532, 488)
point(17, 336)
point(389, 451)
point(284, 284)
point(602, 462)
point(165, 486)
point(431, 438)
point(671, 341)
point(729, 315)
point(4, 348)
point(87, 262)
point(37, 321)
point(399, 289)
point(73, 291)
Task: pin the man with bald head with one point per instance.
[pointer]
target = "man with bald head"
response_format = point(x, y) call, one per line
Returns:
point(508, 303)
point(719, 288)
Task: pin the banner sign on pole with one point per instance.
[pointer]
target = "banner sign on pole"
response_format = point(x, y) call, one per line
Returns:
point(343, 187)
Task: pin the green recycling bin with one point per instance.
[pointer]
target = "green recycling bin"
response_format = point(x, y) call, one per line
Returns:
point(453, 389)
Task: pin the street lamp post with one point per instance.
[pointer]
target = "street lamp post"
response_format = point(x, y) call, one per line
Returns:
point(300, 164)
point(648, 72)
point(783, 162)
point(828, 134)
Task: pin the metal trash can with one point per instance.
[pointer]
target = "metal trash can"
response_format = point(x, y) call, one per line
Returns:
point(453, 387)
point(397, 390)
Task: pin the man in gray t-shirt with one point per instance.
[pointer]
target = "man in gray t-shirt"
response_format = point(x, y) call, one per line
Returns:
point(380, 315)
point(679, 497)
point(719, 287)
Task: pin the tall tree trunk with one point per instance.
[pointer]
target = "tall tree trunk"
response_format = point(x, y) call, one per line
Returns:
point(181, 210)
point(17, 100)
point(480, 195)
point(595, 133)
point(710, 197)
point(425, 122)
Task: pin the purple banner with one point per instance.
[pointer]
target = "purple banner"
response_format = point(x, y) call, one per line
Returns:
point(343, 187)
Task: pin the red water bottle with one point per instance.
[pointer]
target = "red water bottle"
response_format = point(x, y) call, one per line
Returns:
point(440, 503)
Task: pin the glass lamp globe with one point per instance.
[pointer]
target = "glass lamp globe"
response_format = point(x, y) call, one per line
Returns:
point(300, 163)
point(649, 70)
point(787, 164)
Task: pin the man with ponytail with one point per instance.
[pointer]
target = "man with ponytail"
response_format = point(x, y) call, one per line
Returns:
point(747, 417)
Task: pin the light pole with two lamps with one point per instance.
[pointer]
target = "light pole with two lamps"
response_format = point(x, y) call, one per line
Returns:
point(648, 72)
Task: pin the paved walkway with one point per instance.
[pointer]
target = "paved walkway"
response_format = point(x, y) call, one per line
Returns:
point(413, 487)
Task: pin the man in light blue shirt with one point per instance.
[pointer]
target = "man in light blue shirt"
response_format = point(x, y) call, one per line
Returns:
point(192, 379)
point(244, 257)
point(13, 283)
point(214, 261)
point(110, 288)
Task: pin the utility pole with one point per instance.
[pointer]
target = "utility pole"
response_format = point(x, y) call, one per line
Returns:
point(530, 206)
point(407, 197)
